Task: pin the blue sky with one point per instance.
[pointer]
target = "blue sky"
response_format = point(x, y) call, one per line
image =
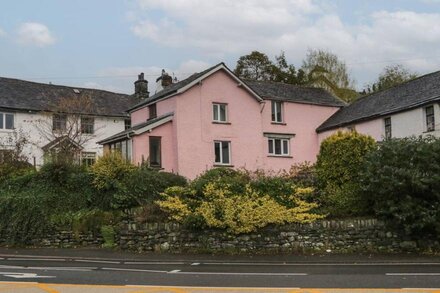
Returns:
point(104, 44)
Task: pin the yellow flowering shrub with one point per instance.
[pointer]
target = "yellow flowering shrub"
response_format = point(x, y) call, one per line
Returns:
point(237, 213)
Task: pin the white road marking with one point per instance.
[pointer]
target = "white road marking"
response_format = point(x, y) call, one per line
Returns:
point(173, 271)
point(24, 275)
point(37, 259)
point(133, 270)
point(315, 264)
point(152, 263)
point(412, 274)
point(242, 274)
point(97, 261)
point(195, 263)
point(75, 269)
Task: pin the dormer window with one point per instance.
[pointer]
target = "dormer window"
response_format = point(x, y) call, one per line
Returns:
point(219, 112)
point(277, 111)
point(152, 109)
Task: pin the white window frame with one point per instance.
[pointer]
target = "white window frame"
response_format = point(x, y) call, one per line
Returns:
point(216, 110)
point(3, 128)
point(221, 142)
point(426, 118)
point(385, 128)
point(271, 140)
point(274, 111)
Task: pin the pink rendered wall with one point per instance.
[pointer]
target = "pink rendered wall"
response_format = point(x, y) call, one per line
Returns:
point(301, 120)
point(195, 132)
point(163, 107)
point(374, 128)
point(141, 146)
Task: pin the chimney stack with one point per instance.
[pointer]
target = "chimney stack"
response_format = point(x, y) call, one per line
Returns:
point(163, 81)
point(141, 87)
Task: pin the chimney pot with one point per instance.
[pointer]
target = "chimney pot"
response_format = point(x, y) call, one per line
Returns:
point(141, 87)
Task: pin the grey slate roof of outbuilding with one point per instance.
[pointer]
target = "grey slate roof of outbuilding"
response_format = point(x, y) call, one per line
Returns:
point(127, 132)
point(420, 91)
point(294, 93)
point(16, 94)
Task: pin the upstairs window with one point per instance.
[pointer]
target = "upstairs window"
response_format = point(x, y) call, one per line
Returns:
point(127, 123)
point(279, 146)
point(430, 119)
point(387, 123)
point(6, 121)
point(87, 125)
point(152, 109)
point(277, 112)
point(219, 112)
point(222, 150)
point(59, 122)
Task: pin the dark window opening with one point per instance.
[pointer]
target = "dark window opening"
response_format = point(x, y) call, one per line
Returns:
point(152, 111)
point(155, 152)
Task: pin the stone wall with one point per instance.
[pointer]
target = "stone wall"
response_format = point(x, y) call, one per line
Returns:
point(358, 235)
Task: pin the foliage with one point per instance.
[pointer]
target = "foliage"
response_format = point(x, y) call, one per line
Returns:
point(142, 186)
point(324, 69)
point(391, 75)
point(258, 66)
point(109, 170)
point(108, 235)
point(13, 160)
point(402, 181)
point(239, 201)
point(338, 168)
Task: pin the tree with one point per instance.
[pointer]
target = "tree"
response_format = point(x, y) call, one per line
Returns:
point(286, 73)
point(255, 66)
point(338, 168)
point(324, 69)
point(68, 127)
point(391, 75)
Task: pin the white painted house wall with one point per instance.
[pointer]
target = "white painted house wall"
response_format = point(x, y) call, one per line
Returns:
point(31, 125)
point(403, 124)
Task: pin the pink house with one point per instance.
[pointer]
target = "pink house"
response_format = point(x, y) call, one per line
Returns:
point(213, 119)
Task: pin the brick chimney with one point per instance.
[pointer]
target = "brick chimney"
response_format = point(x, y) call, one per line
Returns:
point(163, 81)
point(141, 87)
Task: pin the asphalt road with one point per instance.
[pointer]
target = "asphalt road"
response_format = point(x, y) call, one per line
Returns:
point(193, 271)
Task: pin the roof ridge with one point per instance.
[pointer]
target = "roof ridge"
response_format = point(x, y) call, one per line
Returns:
point(62, 86)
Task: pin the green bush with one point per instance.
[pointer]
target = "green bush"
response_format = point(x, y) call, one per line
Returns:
point(402, 181)
point(339, 162)
point(142, 186)
point(236, 180)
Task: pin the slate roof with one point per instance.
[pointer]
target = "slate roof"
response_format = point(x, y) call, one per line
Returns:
point(411, 94)
point(16, 94)
point(130, 131)
point(173, 88)
point(294, 93)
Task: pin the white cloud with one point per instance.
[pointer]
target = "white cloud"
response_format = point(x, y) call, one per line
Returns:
point(228, 27)
point(36, 34)
point(2, 32)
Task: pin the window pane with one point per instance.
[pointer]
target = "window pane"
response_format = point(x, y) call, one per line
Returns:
point(217, 152)
point(9, 121)
point(270, 146)
point(225, 152)
point(277, 146)
point(1, 120)
point(215, 112)
point(222, 113)
point(285, 147)
point(155, 155)
point(279, 118)
point(273, 111)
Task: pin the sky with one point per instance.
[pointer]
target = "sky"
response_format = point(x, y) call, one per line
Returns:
point(106, 43)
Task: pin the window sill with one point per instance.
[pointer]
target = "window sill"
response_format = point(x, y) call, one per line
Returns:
point(219, 122)
point(279, 123)
point(429, 131)
point(280, 156)
point(223, 165)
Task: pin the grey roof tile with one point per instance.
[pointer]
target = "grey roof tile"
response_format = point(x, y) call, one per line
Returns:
point(416, 92)
point(24, 95)
point(294, 93)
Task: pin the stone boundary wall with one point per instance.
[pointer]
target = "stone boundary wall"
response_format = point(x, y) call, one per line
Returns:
point(339, 236)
